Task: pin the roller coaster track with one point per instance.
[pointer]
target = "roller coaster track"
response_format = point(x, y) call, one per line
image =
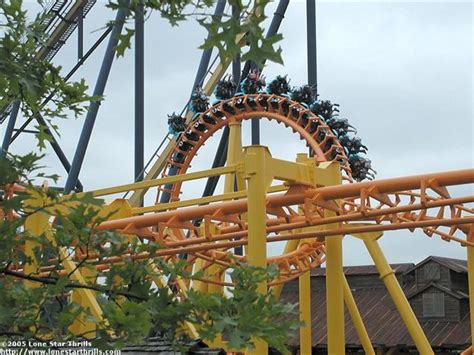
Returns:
point(413, 202)
point(158, 160)
point(61, 23)
point(298, 213)
point(311, 128)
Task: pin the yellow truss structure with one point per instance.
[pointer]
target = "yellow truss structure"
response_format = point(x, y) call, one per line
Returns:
point(313, 211)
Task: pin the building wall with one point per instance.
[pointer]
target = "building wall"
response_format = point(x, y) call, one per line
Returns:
point(421, 273)
point(459, 281)
point(451, 306)
point(356, 281)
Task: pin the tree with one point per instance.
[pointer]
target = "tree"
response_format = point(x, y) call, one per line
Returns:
point(35, 301)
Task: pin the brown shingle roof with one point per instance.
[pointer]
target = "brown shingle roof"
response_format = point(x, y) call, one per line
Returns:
point(382, 321)
point(455, 293)
point(456, 265)
point(364, 269)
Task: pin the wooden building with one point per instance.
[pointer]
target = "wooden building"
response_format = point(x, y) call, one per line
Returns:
point(436, 289)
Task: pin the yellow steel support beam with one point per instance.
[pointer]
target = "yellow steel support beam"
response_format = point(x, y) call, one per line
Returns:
point(200, 201)
point(292, 245)
point(234, 155)
point(357, 319)
point(292, 172)
point(335, 295)
point(305, 312)
point(36, 225)
point(87, 296)
point(334, 274)
point(396, 293)
point(81, 324)
point(163, 181)
point(155, 170)
point(160, 281)
point(214, 272)
point(199, 285)
point(256, 162)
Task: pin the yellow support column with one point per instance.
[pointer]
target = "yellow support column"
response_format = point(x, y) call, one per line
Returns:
point(199, 285)
point(305, 312)
point(36, 224)
point(234, 155)
point(335, 295)
point(470, 275)
point(81, 325)
point(334, 277)
point(388, 277)
point(257, 248)
point(357, 319)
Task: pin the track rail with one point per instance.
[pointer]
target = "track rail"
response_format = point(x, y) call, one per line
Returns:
point(374, 206)
point(311, 128)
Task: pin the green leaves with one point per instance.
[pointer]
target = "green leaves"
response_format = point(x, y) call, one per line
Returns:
point(246, 314)
point(26, 76)
point(132, 304)
point(222, 31)
point(124, 42)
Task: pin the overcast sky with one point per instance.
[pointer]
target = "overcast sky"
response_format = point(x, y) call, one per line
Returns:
point(401, 71)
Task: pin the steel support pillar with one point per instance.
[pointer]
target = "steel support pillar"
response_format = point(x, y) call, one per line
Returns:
point(396, 293)
point(305, 312)
point(234, 182)
point(81, 324)
point(311, 48)
point(334, 278)
point(10, 128)
point(198, 80)
point(36, 224)
point(255, 123)
point(236, 65)
point(335, 295)
point(470, 275)
point(257, 241)
point(139, 92)
point(234, 154)
point(278, 17)
point(272, 30)
point(311, 43)
point(57, 149)
point(255, 131)
point(206, 54)
point(80, 33)
point(357, 320)
point(219, 160)
point(94, 106)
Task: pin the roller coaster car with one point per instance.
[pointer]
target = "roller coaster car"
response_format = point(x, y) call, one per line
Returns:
point(225, 88)
point(353, 145)
point(176, 123)
point(304, 94)
point(199, 101)
point(324, 109)
point(340, 126)
point(253, 83)
point(361, 168)
point(279, 86)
